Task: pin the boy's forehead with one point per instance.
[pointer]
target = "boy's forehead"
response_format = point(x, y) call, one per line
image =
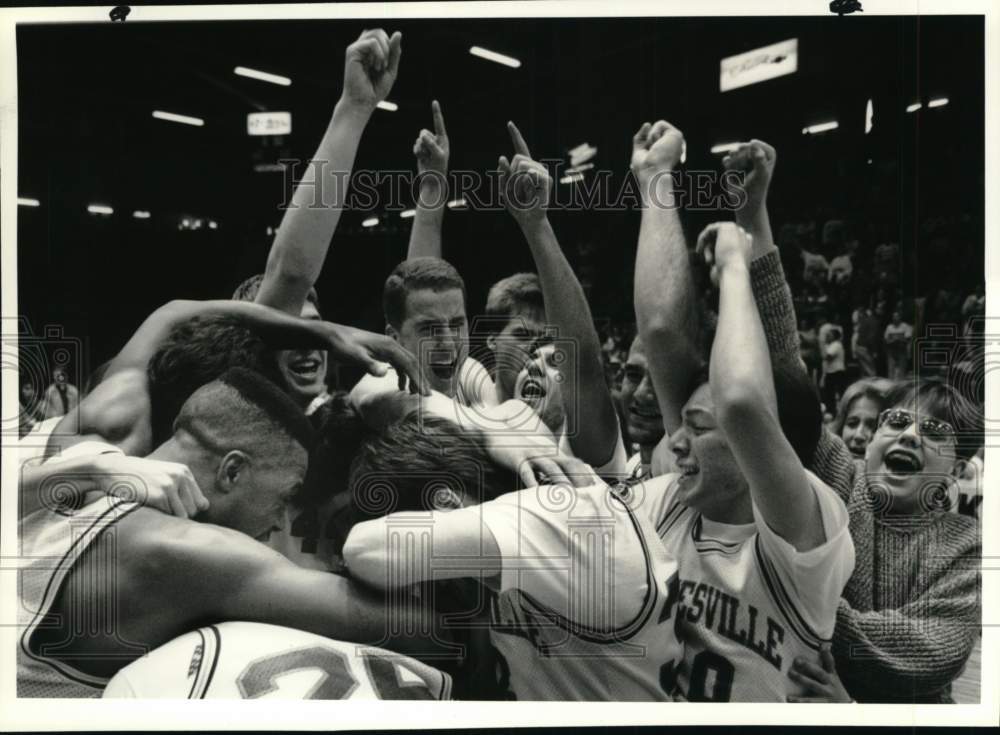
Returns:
point(700, 401)
point(428, 303)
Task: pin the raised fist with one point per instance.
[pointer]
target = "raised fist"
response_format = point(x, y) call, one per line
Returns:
point(722, 245)
point(757, 160)
point(432, 149)
point(525, 184)
point(370, 67)
point(656, 147)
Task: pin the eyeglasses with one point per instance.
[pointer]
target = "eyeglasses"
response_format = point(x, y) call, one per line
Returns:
point(897, 419)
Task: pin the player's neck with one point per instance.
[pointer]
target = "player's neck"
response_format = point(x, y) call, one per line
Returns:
point(646, 454)
point(733, 511)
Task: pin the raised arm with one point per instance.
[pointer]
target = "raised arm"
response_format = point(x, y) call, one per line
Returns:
point(665, 304)
point(743, 392)
point(755, 162)
point(459, 546)
point(300, 248)
point(279, 330)
point(590, 413)
point(432, 151)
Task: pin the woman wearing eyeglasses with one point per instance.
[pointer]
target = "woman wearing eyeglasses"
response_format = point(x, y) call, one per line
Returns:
point(910, 613)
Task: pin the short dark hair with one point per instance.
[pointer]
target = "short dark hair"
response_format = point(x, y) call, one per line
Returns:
point(517, 294)
point(412, 275)
point(196, 352)
point(402, 468)
point(248, 290)
point(243, 410)
point(800, 412)
point(941, 400)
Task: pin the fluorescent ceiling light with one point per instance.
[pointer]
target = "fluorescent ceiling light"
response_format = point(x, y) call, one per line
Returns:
point(370, 222)
point(263, 76)
point(571, 178)
point(407, 213)
point(724, 147)
point(914, 107)
point(140, 214)
point(456, 203)
point(386, 105)
point(172, 117)
point(580, 169)
point(820, 128)
point(581, 154)
point(869, 114)
point(939, 102)
point(99, 209)
point(27, 202)
point(494, 56)
point(213, 225)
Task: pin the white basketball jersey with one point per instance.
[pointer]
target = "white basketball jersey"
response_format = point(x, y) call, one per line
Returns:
point(237, 660)
point(746, 604)
point(585, 582)
point(52, 540)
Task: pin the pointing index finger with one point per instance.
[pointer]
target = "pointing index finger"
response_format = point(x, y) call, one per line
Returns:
point(439, 128)
point(519, 145)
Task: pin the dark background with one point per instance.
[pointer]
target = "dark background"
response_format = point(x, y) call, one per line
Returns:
point(86, 135)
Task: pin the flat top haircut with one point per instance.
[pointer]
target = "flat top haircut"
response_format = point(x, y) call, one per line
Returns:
point(402, 468)
point(197, 352)
point(412, 275)
point(248, 290)
point(243, 410)
point(520, 293)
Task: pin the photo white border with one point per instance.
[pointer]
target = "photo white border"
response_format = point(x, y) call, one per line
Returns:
point(226, 715)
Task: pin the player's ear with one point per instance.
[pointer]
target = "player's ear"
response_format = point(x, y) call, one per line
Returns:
point(232, 470)
point(390, 331)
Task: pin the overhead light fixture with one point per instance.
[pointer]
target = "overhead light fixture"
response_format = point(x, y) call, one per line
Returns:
point(939, 102)
point(213, 225)
point(263, 76)
point(494, 56)
point(581, 154)
point(407, 213)
point(869, 114)
point(100, 209)
point(820, 128)
point(580, 169)
point(724, 147)
point(456, 203)
point(684, 151)
point(173, 117)
point(914, 107)
point(370, 222)
point(571, 178)
point(386, 105)
point(140, 214)
point(27, 202)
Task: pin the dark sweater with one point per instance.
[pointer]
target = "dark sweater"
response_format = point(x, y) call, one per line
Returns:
point(910, 613)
